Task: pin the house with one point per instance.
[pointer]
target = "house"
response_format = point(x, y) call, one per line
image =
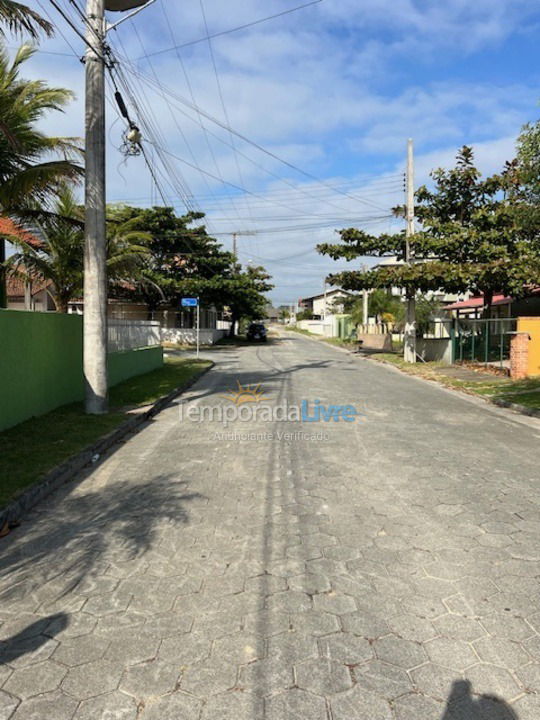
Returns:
point(272, 313)
point(443, 298)
point(26, 292)
point(502, 306)
point(325, 304)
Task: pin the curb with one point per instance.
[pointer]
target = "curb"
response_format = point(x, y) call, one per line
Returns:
point(522, 409)
point(66, 471)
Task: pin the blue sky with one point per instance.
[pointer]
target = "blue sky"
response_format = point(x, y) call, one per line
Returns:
point(334, 89)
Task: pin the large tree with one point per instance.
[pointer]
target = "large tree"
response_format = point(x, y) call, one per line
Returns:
point(244, 294)
point(183, 259)
point(473, 237)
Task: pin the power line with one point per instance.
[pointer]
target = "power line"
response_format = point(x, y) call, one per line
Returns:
point(221, 96)
point(226, 127)
point(76, 30)
point(262, 149)
point(233, 185)
point(318, 194)
point(74, 52)
point(192, 95)
point(232, 30)
point(173, 115)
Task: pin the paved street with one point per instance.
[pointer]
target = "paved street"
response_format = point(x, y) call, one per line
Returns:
point(386, 571)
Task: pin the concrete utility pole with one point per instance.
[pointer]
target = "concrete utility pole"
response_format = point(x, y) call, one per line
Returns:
point(365, 301)
point(235, 236)
point(95, 253)
point(409, 349)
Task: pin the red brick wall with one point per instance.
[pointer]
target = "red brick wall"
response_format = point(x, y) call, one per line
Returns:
point(519, 355)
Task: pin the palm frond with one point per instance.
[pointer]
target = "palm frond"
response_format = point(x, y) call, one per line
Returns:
point(20, 19)
point(37, 181)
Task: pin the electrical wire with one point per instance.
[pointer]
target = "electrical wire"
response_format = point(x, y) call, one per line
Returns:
point(308, 194)
point(175, 119)
point(259, 147)
point(62, 35)
point(76, 30)
point(221, 96)
point(232, 30)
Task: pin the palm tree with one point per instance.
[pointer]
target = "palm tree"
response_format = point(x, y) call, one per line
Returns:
point(33, 166)
point(21, 19)
point(59, 256)
point(29, 168)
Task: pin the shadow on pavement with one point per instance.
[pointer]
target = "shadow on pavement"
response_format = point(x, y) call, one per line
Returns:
point(271, 380)
point(32, 637)
point(462, 706)
point(85, 527)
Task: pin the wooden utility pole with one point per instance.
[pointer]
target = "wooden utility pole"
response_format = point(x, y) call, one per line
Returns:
point(95, 253)
point(409, 344)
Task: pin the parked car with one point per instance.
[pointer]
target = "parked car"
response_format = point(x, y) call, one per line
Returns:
point(257, 331)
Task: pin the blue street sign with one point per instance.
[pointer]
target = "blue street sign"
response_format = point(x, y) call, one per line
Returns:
point(190, 302)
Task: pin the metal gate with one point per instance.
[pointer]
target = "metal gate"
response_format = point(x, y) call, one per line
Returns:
point(485, 341)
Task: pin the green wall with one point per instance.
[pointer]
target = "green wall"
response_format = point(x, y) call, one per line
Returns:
point(123, 365)
point(41, 364)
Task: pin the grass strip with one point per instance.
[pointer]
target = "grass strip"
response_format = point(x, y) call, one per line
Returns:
point(36, 446)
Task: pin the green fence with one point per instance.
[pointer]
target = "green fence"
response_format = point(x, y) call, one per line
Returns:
point(345, 327)
point(485, 341)
point(41, 364)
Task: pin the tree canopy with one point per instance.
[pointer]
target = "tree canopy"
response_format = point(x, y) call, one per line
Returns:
point(184, 260)
point(476, 235)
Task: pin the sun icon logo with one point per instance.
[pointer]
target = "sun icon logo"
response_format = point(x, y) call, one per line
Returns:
point(247, 394)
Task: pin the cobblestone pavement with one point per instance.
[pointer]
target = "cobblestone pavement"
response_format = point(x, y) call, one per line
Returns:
point(388, 572)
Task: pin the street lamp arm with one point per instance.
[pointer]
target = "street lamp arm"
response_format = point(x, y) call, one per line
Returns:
point(136, 11)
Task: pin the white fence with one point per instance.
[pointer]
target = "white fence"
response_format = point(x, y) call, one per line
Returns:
point(374, 328)
point(131, 334)
point(188, 336)
point(327, 328)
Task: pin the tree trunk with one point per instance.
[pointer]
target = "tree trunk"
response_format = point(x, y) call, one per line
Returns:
point(488, 301)
point(61, 304)
point(233, 325)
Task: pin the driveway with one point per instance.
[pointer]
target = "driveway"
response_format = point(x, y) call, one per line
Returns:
point(384, 568)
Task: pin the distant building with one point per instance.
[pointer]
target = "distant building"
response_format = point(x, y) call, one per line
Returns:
point(325, 304)
point(442, 297)
point(272, 313)
point(25, 292)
